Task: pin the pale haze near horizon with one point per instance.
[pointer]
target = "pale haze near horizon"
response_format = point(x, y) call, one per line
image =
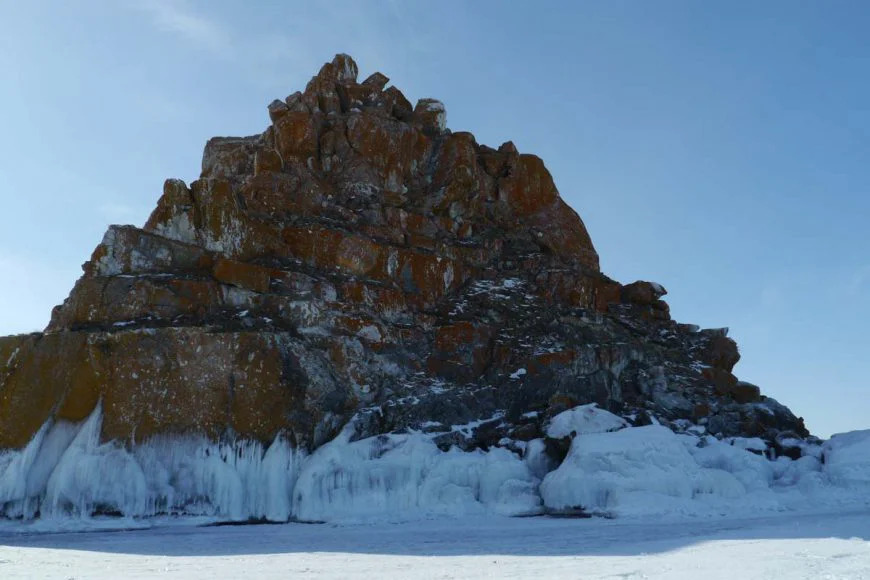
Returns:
point(720, 149)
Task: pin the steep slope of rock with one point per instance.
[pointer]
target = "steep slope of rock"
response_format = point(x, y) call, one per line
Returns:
point(359, 258)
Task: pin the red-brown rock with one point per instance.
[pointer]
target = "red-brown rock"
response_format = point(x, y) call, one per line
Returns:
point(358, 256)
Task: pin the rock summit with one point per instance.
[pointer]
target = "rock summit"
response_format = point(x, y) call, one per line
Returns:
point(358, 259)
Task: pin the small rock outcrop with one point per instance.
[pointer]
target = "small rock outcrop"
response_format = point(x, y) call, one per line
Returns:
point(359, 258)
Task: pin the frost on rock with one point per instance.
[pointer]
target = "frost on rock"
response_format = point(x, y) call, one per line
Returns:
point(438, 108)
point(178, 228)
point(108, 264)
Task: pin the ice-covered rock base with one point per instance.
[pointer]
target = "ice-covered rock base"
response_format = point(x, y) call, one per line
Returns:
point(611, 469)
point(65, 470)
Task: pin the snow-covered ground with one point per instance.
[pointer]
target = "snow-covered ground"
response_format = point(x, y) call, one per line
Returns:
point(788, 547)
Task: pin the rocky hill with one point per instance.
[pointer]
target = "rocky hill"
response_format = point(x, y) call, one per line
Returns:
point(359, 259)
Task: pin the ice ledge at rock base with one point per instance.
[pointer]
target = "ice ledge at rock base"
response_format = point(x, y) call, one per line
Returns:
point(632, 471)
point(65, 470)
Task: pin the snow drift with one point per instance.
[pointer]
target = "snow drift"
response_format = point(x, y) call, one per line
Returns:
point(611, 468)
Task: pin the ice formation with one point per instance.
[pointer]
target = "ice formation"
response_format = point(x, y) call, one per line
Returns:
point(400, 476)
point(847, 458)
point(65, 470)
point(611, 468)
point(607, 472)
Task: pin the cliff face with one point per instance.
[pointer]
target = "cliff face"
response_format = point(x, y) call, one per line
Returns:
point(358, 257)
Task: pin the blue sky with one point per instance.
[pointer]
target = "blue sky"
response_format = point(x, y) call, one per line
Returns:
point(719, 148)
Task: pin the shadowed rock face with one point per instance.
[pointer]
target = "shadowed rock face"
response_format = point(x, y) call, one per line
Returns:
point(359, 257)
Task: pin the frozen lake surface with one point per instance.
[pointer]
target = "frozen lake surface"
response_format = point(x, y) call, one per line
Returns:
point(784, 546)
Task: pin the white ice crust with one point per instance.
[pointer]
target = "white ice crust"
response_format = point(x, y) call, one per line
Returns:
point(611, 468)
point(584, 420)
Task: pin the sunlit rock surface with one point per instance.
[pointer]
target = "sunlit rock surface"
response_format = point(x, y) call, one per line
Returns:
point(359, 259)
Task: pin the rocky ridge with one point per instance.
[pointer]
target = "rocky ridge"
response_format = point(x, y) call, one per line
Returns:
point(358, 258)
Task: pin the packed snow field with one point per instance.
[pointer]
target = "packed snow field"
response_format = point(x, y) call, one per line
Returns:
point(611, 469)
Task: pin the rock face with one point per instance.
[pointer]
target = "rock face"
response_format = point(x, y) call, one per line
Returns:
point(359, 258)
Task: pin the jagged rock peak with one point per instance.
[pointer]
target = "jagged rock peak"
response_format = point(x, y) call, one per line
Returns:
point(357, 258)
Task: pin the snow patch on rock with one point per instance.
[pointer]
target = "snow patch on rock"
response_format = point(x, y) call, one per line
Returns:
point(584, 420)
